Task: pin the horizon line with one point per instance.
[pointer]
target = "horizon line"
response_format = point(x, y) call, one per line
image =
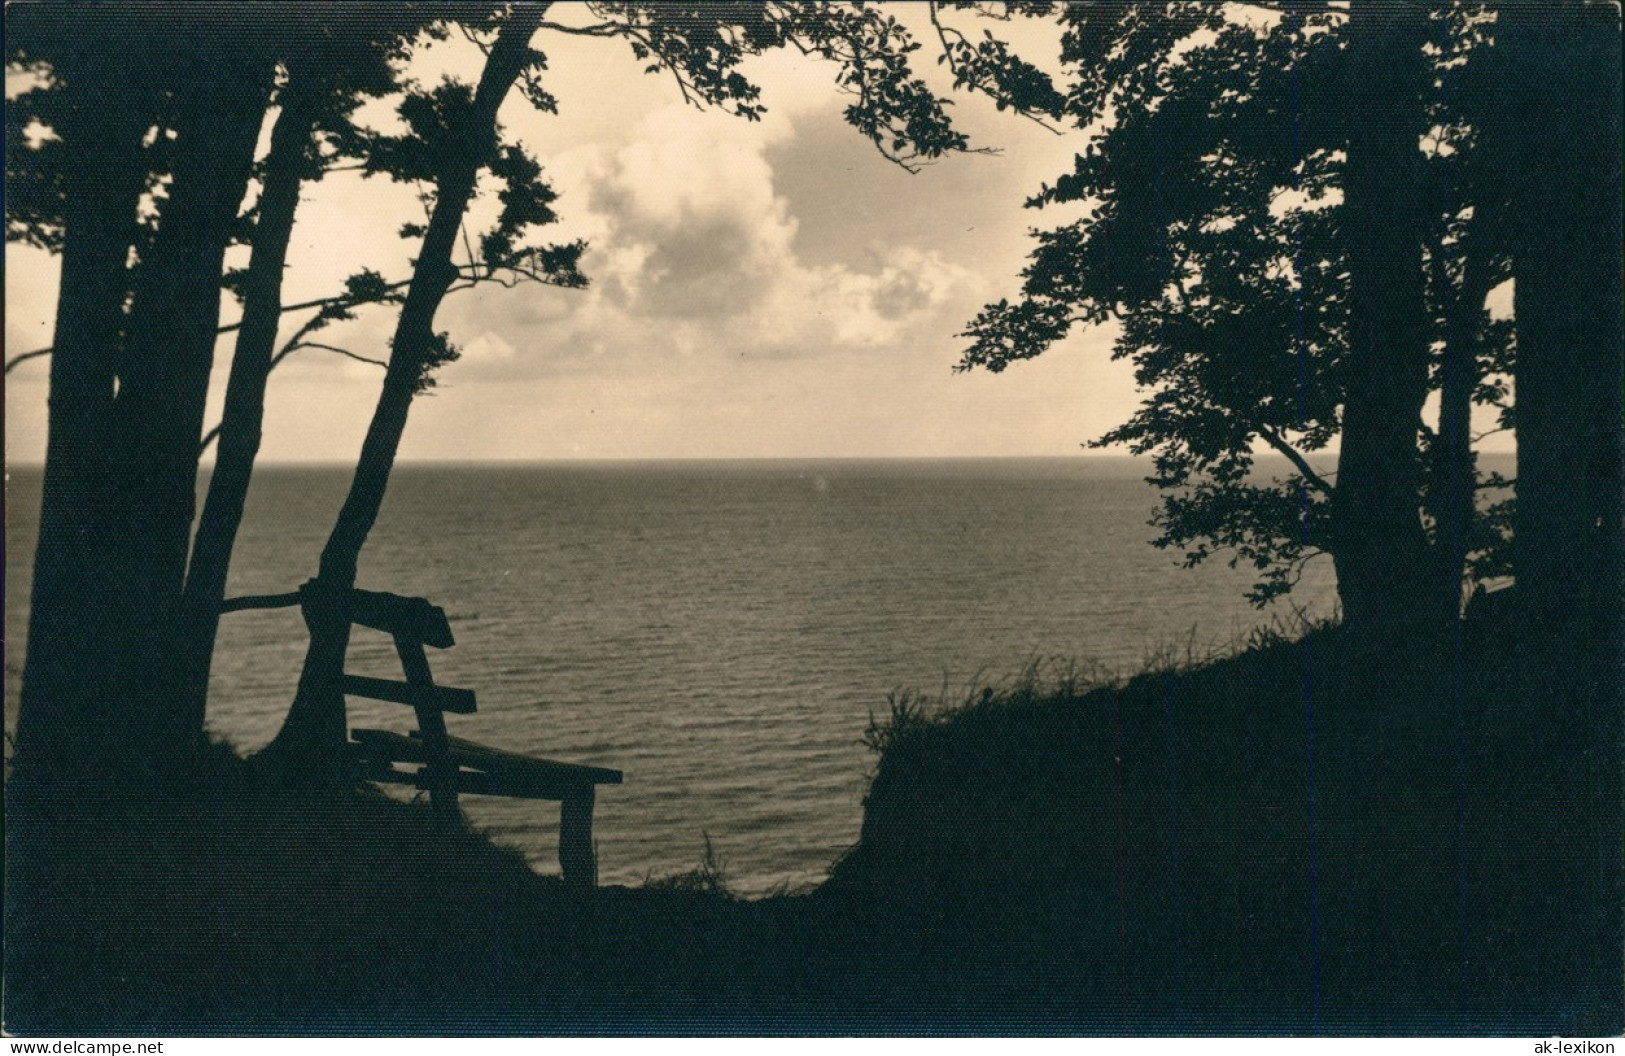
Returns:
point(601, 459)
point(1082, 456)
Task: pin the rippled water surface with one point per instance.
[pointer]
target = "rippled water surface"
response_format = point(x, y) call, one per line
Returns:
point(719, 631)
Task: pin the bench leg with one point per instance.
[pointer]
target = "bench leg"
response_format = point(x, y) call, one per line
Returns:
point(440, 771)
point(443, 799)
point(576, 858)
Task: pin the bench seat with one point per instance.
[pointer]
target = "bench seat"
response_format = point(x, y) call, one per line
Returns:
point(481, 770)
point(464, 767)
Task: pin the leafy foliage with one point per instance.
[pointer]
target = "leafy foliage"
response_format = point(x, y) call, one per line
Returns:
point(702, 46)
point(436, 120)
point(35, 157)
point(440, 352)
point(1210, 187)
point(991, 67)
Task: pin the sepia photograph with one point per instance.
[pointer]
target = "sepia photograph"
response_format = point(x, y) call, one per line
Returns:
point(813, 519)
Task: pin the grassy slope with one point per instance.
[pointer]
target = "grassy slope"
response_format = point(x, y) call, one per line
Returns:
point(1122, 859)
point(246, 910)
point(1295, 838)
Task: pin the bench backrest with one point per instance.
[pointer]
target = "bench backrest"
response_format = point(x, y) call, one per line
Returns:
point(414, 619)
point(414, 623)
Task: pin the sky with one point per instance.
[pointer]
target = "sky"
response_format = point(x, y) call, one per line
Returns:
point(758, 289)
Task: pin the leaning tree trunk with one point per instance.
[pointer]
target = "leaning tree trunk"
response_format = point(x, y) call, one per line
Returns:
point(1378, 543)
point(310, 744)
point(157, 415)
point(60, 719)
point(243, 415)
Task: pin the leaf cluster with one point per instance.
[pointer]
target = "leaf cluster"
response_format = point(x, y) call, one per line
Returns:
point(989, 65)
point(703, 47)
point(439, 352)
point(35, 157)
point(436, 120)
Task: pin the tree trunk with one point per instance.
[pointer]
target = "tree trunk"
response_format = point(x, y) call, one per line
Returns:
point(59, 720)
point(244, 411)
point(1378, 543)
point(157, 415)
point(1564, 125)
point(1558, 129)
point(310, 744)
point(1453, 478)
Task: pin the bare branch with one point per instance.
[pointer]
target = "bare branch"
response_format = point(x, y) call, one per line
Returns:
point(602, 29)
point(1315, 480)
point(468, 246)
point(342, 300)
point(1301, 565)
point(1490, 432)
point(294, 345)
point(18, 360)
point(474, 39)
point(291, 349)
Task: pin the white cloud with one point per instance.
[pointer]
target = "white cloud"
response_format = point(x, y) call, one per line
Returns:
point(694, 258)
point(487, 348)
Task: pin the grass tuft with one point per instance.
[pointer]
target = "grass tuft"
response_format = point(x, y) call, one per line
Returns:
point(709, 877)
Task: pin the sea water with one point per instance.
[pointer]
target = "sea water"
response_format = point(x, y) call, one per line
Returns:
point(720, 631)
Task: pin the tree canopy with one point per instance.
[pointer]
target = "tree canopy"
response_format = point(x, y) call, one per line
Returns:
point(1229, 211)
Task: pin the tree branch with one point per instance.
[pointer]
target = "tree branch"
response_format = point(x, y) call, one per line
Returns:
point(294, 345)
point(677, 75)
point(291, 349)
point(472, 278)
point(602, 29)
point(342, 300)
point(1315, 480)
point(470, 36)
point(942, 37)
point(955, 69)
point(18, 360)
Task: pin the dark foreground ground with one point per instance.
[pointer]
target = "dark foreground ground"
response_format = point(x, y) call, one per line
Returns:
point(1291, 840)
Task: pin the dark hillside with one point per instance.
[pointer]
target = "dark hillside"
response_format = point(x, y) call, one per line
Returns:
point(1281, 840)
point(243, 910)
point(1275, 842)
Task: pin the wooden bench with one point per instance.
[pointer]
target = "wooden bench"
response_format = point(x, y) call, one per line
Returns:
point(430, 758)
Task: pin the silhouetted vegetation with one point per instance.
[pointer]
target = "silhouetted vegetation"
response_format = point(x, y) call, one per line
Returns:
point(1297, 215)
point(1206, 847)
point(1255, 842)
